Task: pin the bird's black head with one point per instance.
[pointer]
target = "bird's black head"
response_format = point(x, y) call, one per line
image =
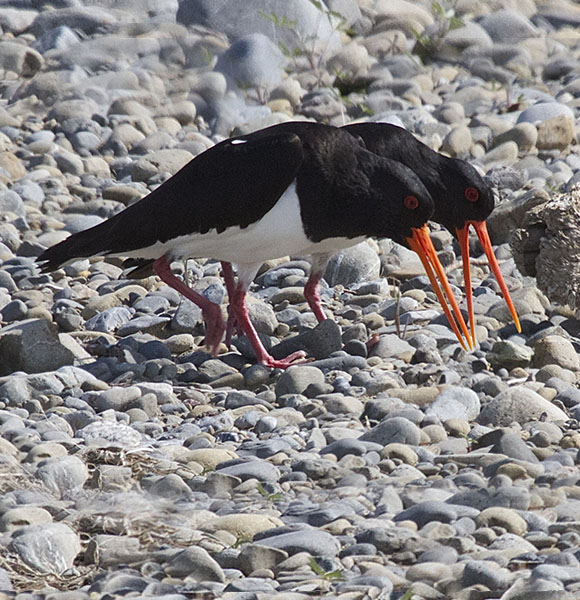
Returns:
point(405, 204)
point(463, 196)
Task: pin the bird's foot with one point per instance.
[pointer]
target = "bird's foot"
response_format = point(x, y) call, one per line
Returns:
point(283, 363)
point(232, 327)
point(214, 327)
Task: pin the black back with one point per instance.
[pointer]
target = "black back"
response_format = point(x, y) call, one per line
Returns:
point(447, 179)
point(344, 191)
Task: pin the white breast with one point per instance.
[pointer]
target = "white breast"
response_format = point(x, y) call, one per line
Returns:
point(278, 233)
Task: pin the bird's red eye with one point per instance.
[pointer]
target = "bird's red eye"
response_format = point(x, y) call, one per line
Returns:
point(411, 202)
point(471, 194)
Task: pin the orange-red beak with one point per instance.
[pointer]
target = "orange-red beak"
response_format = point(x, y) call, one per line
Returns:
point(421, 243)
point(463, 237)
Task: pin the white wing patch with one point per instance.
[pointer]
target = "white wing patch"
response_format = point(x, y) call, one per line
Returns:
point(238, 142)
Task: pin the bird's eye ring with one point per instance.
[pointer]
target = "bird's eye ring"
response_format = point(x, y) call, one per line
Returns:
point(411, 202)
point(471, 194)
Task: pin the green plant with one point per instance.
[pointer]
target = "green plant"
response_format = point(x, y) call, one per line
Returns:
point(240, 540)
point(307, 46)
point(336, 575)
point(445, 20)
point(265, 494)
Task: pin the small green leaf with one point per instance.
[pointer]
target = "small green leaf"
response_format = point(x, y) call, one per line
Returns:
point(437, 9)
point(456, 23)
point(316, 567)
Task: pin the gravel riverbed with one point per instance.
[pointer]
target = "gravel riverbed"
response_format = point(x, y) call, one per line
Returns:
point(135, 465)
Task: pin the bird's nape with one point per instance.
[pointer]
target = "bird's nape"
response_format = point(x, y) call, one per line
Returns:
point(421, 243)
point(480, 228)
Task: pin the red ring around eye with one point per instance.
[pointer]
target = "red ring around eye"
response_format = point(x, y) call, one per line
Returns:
point(411, 202)
point(472, 194)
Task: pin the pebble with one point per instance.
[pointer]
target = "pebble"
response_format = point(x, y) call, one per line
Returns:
point(393, 430)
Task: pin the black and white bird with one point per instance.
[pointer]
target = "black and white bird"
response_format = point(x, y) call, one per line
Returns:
point(296, 188)
point(460, 195)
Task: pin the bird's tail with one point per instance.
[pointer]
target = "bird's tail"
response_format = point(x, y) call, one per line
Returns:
point(83, 244)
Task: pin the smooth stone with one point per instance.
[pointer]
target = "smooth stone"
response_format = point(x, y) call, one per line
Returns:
point(508, 26)
point(310, 540)
point(557, 350)
point(509, 355)
point(196, 563)
point(485, 573)
point(525, 135)
point(258, 556)
point(19, 58)
point(22, 516)
point(449, 112)
point(505, 154)
point(319, 342)
point(242, 525)
point(396, 429)
point(429, 572)
point(48, 548)
point(456, 403)
point(442, 554)
point(556, 133)
point(351, 61)
point(502, 517)
point(253, 61)
point(392, 346)
point(457, 142)
point(109, 433)
point(519, 404)
point(353, 265)
point(253, 469)
point(428, 511)
point(32, 346)
point(296, 379)
point(63, 475)
point(110, 319)
point(543, 111)
point(509, 444)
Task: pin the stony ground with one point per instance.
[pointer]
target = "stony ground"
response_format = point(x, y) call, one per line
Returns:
point(133, 464)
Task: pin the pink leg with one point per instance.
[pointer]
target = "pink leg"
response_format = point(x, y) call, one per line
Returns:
point(212, 313)
point(240, 311)
point(311, 289)
point(312, 295)
point(232, 325)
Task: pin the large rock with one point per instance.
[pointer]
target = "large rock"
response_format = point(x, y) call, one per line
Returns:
point(546, 245)
point(48, 548)
point(353, 265)
point(32, 346)
point(253, 61)
point(508, 26)
point(519, 404)
point(556, 350)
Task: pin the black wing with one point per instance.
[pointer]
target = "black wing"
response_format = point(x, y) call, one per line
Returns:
point(233, 183)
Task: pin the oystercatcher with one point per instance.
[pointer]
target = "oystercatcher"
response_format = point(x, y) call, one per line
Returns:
point(461, 196)
point(292, 189)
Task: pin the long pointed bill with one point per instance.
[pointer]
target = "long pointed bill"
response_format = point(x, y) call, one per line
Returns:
point(463, 238)
point(481, 230)
point(421, 243)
